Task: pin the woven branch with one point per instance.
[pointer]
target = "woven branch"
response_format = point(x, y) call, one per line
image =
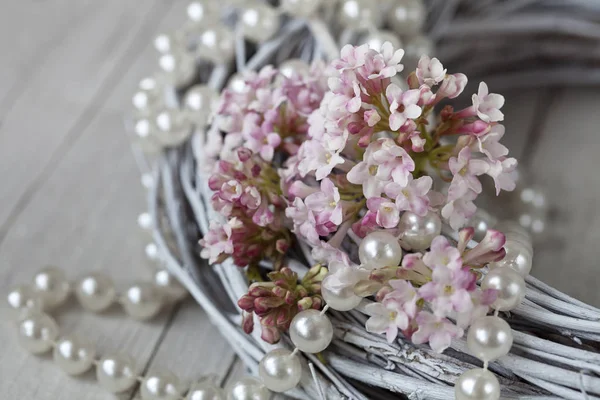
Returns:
point(556, 338)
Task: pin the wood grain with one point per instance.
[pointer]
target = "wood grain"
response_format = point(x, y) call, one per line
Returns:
point(81, 210)
point(64, 93)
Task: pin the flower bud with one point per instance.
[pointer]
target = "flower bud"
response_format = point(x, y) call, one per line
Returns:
point(305, 304)
point(248, 322)
point(366, 287)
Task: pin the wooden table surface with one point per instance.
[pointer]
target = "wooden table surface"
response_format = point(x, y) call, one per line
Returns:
point(70, 192)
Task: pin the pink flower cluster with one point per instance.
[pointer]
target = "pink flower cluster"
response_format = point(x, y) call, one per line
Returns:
point(372, 140)
point(262, 115)
point(248, 195)
point(328, 157)
point(438, 287)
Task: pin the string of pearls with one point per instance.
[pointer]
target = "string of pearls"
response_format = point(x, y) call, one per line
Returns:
point(490, 337)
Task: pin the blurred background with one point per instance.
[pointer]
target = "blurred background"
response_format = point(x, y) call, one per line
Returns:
point(70, 191)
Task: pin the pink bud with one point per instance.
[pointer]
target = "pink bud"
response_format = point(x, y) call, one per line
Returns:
point(244, 154)
point(248, 322)
point(264, 304)
point(270, 334)
point(305, 304)
point(282, 246)
point(246, 303)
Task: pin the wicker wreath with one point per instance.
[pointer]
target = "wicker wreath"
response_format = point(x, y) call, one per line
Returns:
point(555, 352)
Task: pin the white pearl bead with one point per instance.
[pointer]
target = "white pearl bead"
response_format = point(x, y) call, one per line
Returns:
point(74, 355)
point(294, 67)
point(169, 286)
point(360, 14)
point(22, 299)
point(259, 22)
point(237, 84)
point(37, 332)
point(310, 331)
point(95, 292)
point(342, 299)
point(199, 101)
point(142, 301)
point(116, 373)
point(300, 8)
point(160, 386)
point(179, 68)
point(173, 127)
point(52, 285)
point(477, 384)
point(418, 232)
point(145, 221)
point(518, 257)
point(379, 249)
point(202, 11)
point(205, 390)
point(217, 44)
point(151, 251)
point(280, 371)
point(145, 136)
point(375, 40)
point(248, 388)
point(510, 286)
point(489, 338)
point(148, 95)
point(406, 17)
point(169, 42)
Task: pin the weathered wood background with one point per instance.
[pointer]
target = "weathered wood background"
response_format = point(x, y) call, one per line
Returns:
point(70, 192)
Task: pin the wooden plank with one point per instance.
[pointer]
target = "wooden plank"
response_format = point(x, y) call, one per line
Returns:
point(83, 217)
point(63, 94)
point(29, 34)
point(565, 163)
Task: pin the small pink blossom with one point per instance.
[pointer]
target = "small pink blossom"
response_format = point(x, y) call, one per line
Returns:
point(231, 190)
point(303, 220)
point(386, 214)
point(430, 71)
point(394, 162)
point(344, 276)
point(347, 90)
point(488, 104)
point(403, 105)
point(489, 144)
point(481, 300)
point(458, 212)
point(217, 240)
point(490, 248)
point(443, 254)
point(251, 198)
point(372, 117)
point(502, 171)
point(449, 290)
point(326, 204)
point(351, 57)
point(452, 87)
point(465, 170)
point(384, 64)
point(439, 332)
point(315, 157)
point(412, 197)
point(394, 312)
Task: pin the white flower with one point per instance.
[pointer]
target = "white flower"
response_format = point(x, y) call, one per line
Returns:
point(403, 105)
point(465, 170)
point(488, 105)
point(502, 173)
point(430, 71)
